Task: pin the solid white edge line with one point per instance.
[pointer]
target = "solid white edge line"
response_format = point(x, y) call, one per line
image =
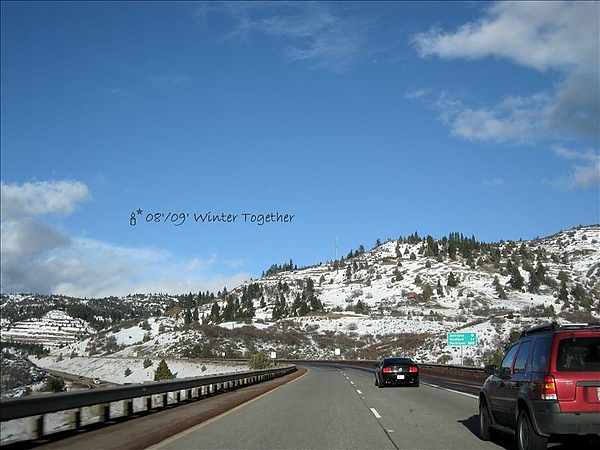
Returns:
point(452, 390)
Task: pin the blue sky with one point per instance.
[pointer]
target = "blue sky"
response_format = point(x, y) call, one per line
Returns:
point(364, 121)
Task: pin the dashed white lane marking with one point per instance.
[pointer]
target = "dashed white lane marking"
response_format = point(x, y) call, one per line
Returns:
point(375, 413)
point(359, 392)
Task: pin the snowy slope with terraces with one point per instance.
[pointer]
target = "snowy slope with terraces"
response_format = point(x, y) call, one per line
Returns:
point(54, 329)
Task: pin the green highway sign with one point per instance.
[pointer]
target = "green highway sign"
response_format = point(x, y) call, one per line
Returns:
point(461, 339)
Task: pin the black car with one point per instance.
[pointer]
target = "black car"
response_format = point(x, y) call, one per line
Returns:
point(396, 371)
point(548, 384)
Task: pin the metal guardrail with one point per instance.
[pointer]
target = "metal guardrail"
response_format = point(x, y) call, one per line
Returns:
point(37, 406)
point(370, 364)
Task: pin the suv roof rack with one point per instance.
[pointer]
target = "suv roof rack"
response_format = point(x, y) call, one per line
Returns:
point(578, 326)
point(554, 326)
point(548, 326)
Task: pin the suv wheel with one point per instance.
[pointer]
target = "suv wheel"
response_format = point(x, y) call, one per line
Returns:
point(527, 438)
point(485, 421)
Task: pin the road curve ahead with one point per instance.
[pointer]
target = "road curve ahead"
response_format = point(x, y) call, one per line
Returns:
point(340, 408)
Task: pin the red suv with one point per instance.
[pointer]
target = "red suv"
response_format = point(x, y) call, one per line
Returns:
point(548, 384)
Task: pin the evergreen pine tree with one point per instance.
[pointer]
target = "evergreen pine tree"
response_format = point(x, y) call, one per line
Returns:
point(452, 281)
point(534, 283)
point(427, 292)
point(563, 293)
point(163, 372)
point(516, 279)
point(452, 248)
point(303, 309)
point(215, 312)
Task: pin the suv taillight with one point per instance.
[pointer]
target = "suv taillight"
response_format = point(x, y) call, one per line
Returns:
point(387, 369)
point(414, 369)
point(549, 388)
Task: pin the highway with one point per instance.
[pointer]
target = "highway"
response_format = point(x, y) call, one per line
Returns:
point(340, 408)
point(318, 407)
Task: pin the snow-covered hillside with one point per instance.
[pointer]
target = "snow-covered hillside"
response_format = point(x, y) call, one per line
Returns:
point(54, 329)
point(401, 297)
point(135, 370)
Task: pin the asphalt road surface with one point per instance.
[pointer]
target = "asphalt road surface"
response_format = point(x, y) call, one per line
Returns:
point(340, 408)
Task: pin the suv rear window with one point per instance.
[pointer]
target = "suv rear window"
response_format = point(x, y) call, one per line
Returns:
point(578, 354)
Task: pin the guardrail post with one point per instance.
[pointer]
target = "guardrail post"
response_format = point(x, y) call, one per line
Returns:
point(37, 427)
point(128, 407)
point(75, 419)
point(105, 415)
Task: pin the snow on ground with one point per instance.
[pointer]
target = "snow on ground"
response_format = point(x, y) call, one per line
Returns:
point(113, 369)
point(258, 325)
point(363, 325)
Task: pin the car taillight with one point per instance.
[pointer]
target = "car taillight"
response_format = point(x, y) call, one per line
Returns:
point(414, 369)
point(549, 388)
point(387, 369)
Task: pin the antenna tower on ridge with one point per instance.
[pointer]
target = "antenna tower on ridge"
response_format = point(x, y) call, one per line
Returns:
point(335, 248)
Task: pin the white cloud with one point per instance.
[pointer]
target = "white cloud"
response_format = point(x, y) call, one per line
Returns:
point(95, 269)
point(540, 35)
point(494, 182)
point(168, 80)
point(582, 176)
point(39, 198)
point(418, 93)
point(558, 36)
point(117, 92)
point(566, 153)
point(575, 107)
point(515, 119)
point(38, 258)
point(313, 33)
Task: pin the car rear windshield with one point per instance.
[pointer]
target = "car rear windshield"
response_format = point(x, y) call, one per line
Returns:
point(398, 361)
point(578, 354)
